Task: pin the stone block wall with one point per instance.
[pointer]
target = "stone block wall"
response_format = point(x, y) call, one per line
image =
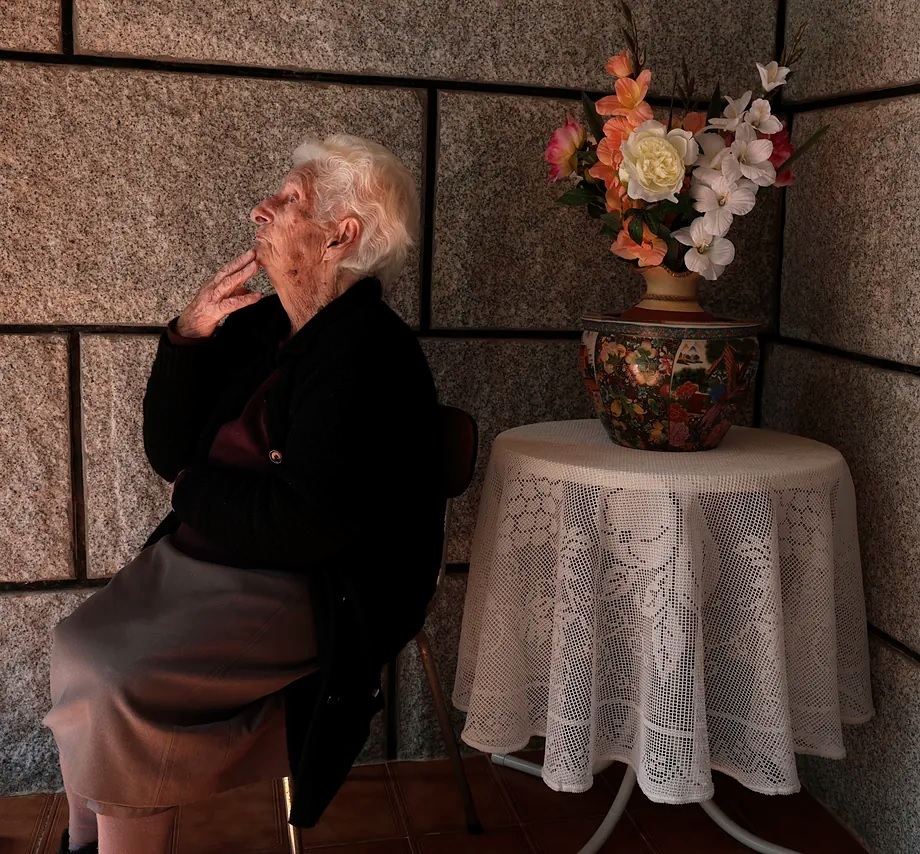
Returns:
point(845, 365)
point(136, 139)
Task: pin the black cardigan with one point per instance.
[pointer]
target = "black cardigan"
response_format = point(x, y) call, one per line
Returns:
point(355, 501)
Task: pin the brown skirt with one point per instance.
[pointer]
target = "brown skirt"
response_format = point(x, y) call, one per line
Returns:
point(165, 684)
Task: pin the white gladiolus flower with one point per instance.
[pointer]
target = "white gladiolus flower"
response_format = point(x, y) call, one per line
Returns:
point(772, 75)
point(721, 201)
point(751, 158)
point(733, 113)
point(655, 161)
point(710, 164)
point(710, 145)
point(708, 255)
point(760, 118)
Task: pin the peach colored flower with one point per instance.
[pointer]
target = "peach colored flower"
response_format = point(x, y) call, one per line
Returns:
point(694, 122)
point(561, 153)
point(606, 168)
point(650, 253)
point(621, 65)
point(617, 199)
point(657, 432)
point(618, 129)
point(628, 101)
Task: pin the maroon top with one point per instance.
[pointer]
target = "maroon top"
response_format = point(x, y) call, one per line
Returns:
point(240, 443)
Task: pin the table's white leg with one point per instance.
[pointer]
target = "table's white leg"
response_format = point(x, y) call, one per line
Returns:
point(518, 764)
point(739, 833)
point(602, 834)
point(617, 808)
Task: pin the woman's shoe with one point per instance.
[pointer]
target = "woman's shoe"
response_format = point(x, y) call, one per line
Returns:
point(92, 848)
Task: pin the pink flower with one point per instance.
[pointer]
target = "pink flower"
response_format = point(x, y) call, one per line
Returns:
point(679, 433)
point(562, 151)
point(628, 100)
point(621, 65)
point(782, 151)
point(649, 253)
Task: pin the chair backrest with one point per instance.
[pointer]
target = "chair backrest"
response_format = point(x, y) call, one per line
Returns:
point(460, 444)
point(460, 441)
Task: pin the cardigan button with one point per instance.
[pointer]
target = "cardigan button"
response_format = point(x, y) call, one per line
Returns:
point(275, 456)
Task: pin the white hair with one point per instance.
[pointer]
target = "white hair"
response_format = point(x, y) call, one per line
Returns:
point(351, 176)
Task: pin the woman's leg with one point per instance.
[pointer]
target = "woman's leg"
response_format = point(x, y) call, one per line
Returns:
point(151, 834)
point(81, 825)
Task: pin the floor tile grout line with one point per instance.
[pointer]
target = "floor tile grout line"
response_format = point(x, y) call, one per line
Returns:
point(504, 791)
point(45, 825)
point(402, 806)
point(396, 800)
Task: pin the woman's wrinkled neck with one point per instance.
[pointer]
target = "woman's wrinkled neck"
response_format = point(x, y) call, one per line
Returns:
point(303, 295)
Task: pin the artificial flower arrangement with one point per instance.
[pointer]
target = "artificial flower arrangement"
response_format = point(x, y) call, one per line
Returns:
point(658, 188)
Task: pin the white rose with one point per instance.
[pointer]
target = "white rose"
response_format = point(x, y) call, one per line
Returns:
point(655, 161)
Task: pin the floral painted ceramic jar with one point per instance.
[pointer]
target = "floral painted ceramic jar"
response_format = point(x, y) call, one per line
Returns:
point(667, 376)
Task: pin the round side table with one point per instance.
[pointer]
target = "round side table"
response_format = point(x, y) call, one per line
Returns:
point(679, 612)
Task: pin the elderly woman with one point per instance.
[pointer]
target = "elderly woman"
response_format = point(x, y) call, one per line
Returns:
point(245, 642)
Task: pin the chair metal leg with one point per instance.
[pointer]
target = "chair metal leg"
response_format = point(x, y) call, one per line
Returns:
point(294, 841)
point(473, 824)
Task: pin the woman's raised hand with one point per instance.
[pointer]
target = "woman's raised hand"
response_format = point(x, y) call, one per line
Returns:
point(223, 295)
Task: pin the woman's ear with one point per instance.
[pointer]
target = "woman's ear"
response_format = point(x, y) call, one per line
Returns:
point(347, 233)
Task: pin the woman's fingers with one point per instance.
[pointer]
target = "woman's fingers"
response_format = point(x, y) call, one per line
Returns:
point(231, 304)
point(233, 280)
point(236, 264)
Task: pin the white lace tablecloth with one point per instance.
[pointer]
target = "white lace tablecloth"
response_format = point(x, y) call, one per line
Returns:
point(680, 612)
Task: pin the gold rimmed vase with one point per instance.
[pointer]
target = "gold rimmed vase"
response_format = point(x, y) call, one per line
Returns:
point(666, 375)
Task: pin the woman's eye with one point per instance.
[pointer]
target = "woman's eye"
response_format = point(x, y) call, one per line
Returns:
point(292, 199)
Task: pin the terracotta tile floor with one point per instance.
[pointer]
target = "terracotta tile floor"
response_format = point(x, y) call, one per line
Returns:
point(413, 808)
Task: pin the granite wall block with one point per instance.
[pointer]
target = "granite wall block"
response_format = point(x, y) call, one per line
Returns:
point(541, 45)
point(853, 47)
point(125, 498)
point(419, 735)
point(873, 417)
point(507, 255)
point(28, 754)
point(135, 187)
point(30, 25)
point(849, 276)
point(876, 788)
point(503, 384)
point(35, 490)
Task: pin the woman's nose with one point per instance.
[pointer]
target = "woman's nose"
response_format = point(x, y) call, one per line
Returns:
point(261, 213)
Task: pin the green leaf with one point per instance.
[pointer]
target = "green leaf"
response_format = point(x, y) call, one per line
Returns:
point(595, 123)
point(715, 105)
point(614, 220)
point(635, 228)
point(596, 211)
point(805, 146)
point(587, 158)
point(578, 195)
point(608, 231)
point(672, 258)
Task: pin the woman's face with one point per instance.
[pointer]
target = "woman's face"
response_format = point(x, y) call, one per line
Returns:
point(287, 238)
